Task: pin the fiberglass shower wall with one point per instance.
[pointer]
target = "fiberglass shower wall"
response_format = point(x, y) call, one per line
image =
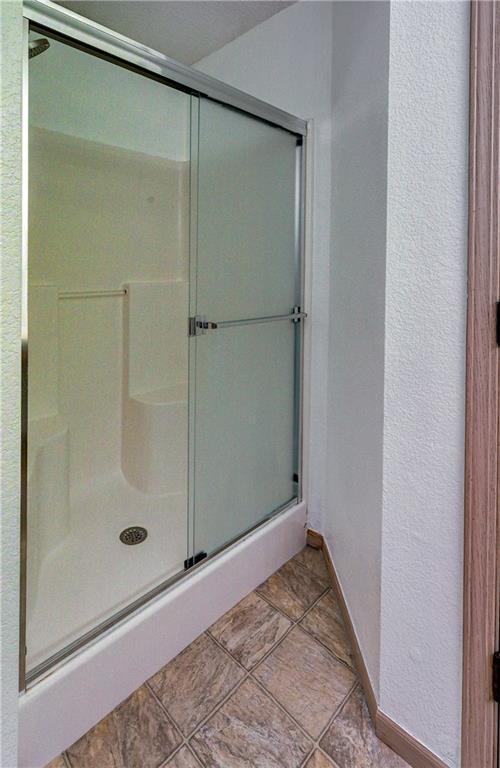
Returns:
point(150, 207)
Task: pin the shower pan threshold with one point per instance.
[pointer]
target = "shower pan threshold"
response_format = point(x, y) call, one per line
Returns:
point(109, 669)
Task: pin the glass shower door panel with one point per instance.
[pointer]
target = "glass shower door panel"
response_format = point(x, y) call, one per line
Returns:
point(247, 260)
point(108, 352)
point(247, 273)
point(244, 429)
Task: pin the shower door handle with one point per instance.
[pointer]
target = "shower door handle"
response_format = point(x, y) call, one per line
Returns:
point(199, 324)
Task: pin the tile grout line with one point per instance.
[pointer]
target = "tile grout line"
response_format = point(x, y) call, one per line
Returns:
point(162, 705)
point(316, 745)
point(303, 565)
point(293, 623)
point(195, 756)
point(338, 710)
point(282, 708)
point(169, 716)
point(185, 740)
point(247, 674)
point(176, 752)
point(250, 673)
point(282, 612)
point(335, 596)
point(297, 622)
point(332, 653)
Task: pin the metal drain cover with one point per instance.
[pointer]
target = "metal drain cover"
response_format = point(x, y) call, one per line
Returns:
point(135, 534)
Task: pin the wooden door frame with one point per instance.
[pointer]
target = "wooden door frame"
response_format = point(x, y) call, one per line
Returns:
point(481, 588)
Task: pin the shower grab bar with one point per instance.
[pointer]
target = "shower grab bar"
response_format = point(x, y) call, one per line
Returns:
point(199, 323)
point(91, 294)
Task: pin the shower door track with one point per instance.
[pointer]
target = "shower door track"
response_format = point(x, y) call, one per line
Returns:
point(58, 20)
point(63, 24)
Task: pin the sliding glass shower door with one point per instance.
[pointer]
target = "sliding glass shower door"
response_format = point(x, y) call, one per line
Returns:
point(108, 266)
point(247, 286)
point(163, 305)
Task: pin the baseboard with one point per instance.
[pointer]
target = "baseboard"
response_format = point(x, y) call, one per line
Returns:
point(388, 731)
point(313, 539)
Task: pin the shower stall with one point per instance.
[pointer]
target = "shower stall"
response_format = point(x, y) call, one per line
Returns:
point(163, 327)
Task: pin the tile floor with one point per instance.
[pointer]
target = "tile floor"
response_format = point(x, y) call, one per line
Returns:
point(270, 685)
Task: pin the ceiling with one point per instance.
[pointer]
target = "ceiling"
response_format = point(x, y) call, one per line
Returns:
point(186, 31)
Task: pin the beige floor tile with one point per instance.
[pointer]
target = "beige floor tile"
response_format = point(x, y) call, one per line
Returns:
point(183, 759)
point(195, 682)
point(325, 622)
point(57, 762)
point(250, 730)
point(137, 734)
point(250, 629)
point(319, 760)
point(306, 679)
point(314, 560)
point(293, 589)
point(351, 741)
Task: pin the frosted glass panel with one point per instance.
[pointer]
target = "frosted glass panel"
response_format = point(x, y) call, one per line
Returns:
point(246, 216)
point(244, 429)
point(109, 170)
point(245, 403)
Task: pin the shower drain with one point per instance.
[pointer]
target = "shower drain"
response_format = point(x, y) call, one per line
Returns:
point(134, 534)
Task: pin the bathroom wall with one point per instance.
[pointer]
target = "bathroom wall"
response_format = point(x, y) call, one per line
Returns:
point(426, 291)
point(360, 64)
point(10, 323)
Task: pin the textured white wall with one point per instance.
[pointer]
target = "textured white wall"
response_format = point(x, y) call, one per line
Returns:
point(352, 527)
point(286, 61)
point(420, 671)
point(10, 325)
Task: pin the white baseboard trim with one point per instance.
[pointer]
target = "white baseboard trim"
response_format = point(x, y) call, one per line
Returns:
point(388, 731)
point(67, 703)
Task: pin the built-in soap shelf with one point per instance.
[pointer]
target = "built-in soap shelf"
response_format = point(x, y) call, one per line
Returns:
point(154, 396)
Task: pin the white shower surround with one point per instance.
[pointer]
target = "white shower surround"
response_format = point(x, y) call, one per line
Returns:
point(107, 379)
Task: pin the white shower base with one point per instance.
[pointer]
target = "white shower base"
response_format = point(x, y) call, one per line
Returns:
point(90, 574)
